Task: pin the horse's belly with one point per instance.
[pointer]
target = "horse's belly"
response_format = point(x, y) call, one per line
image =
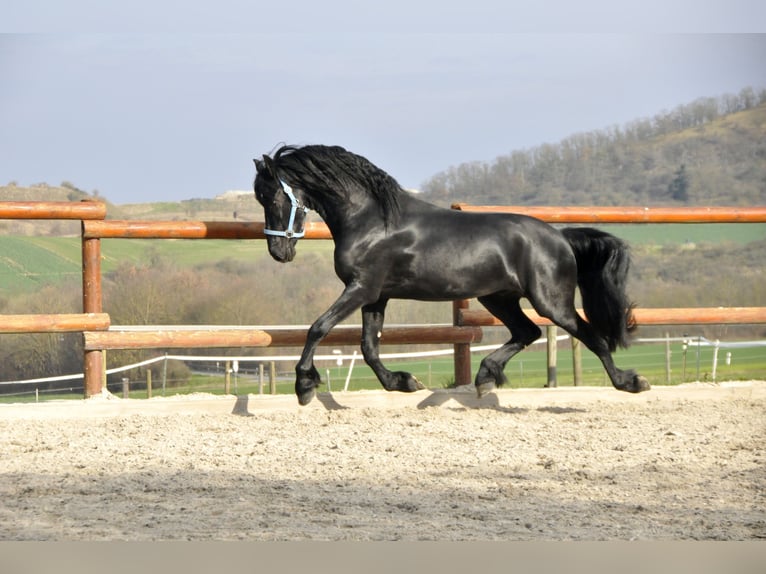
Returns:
point(449, 282)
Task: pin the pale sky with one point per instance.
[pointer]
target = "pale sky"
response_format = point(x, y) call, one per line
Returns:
point(173, 104)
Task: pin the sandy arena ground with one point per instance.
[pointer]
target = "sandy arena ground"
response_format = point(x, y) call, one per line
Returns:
point(675, 463)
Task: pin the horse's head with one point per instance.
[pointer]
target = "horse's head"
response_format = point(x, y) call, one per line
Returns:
point(283, 207)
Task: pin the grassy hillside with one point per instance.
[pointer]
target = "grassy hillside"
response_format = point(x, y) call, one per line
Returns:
point(27, 263)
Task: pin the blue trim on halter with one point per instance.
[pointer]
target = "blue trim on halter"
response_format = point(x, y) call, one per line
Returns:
point(294, 206)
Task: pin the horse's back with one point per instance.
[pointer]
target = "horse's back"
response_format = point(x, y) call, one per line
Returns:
point(515, 231)
point(448, 254)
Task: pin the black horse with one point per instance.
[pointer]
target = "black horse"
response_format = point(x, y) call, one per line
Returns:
point(392, 245)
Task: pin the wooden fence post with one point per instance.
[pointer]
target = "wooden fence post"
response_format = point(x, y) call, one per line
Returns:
point(164, 374)
point(462, 351)
point(273, 378)
point(577, 361)
point(93, 361)
point(552, 346)
point(667, 358)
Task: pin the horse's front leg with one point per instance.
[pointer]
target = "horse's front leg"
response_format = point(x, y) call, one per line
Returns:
point(306, 376)
point(373, 316)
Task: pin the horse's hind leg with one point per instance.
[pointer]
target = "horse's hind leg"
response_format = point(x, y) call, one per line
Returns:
point(570, 321)
point(623, 380)
point(524, 332)
point(372, 327)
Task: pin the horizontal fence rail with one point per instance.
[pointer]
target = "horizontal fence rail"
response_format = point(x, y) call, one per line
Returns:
point(677, 316)
point(54, 323)
point(52, 210)
point(613, 214)
point(117, 338)
point(421, 335)
point(161, 339)
point(188, 230)
point(128, 229)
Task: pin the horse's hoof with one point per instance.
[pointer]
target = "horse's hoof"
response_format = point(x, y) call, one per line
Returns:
point(484, 389)
point(637, 384)
point(306, 396)
point(640, 384)
point(406, 383)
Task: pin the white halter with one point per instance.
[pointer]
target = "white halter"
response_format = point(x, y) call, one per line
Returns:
point(294, 206)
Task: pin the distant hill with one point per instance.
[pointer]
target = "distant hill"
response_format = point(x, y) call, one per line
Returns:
point(42, 192)
point(709, 152)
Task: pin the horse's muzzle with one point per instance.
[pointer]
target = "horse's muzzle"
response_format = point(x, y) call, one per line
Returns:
point(282, 250)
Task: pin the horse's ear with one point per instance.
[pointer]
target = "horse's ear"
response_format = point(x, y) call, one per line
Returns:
point(259, 165)
point(271, 166)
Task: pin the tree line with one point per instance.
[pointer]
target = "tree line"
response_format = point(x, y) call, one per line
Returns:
point(711, 151)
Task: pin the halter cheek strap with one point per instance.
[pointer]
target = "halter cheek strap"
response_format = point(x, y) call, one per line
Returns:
point(294, 206)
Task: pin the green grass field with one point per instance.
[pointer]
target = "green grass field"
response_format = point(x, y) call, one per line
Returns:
point(27, 263)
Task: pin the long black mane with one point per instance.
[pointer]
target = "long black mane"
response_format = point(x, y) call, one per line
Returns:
point(335, 174)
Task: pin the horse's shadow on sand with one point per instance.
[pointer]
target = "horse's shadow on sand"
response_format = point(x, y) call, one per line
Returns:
point(434, 398)
point(467, 400)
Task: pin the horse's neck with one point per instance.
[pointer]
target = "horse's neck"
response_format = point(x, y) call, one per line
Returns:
point(341, 218)
point(361, 213)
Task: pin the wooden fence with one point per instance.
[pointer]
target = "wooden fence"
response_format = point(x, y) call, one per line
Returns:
point(100, 335)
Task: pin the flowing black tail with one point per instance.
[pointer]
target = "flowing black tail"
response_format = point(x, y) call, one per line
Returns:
point(603, 262)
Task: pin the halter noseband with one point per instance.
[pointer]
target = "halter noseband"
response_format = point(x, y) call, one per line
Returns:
point(294, 206)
